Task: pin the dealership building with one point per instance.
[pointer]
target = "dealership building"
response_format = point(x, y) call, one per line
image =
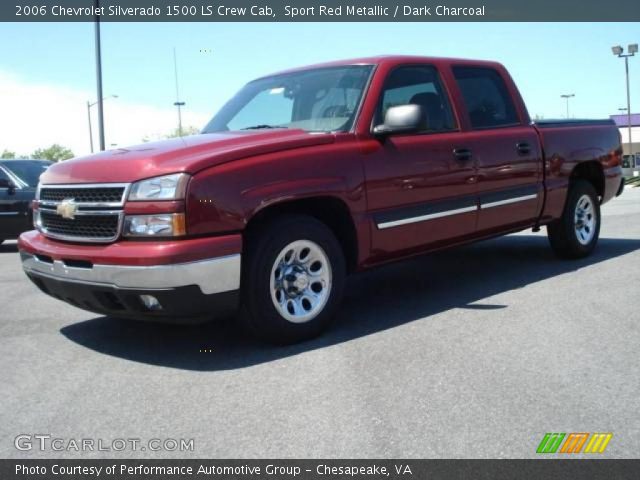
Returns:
point(630, 164)
point(622, 123)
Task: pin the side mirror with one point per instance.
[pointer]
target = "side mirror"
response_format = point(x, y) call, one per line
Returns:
point(401, 119)
point(8, 184)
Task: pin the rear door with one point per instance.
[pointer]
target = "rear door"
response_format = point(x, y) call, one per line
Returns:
point(505, 147)
point(419, 193)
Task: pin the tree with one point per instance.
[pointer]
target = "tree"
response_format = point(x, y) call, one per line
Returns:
point(54, 153)
point(7, 155)
point(191, 130)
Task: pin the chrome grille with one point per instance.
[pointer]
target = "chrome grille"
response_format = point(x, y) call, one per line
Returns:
point(96, 211)
point(83, 195)
point(99, 227)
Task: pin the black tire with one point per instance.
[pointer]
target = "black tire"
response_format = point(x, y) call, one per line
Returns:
point(264, 247)
point(565, 237)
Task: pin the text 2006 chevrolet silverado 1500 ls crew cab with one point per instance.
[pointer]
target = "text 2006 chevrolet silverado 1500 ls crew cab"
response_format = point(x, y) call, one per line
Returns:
point(307, 175)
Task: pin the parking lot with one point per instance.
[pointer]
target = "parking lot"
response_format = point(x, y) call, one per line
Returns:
point(475, 352)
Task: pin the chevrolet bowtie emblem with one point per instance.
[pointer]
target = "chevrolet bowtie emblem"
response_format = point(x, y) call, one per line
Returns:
point(67, 209)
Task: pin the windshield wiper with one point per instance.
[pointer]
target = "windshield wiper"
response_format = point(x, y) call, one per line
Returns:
point(262, 126)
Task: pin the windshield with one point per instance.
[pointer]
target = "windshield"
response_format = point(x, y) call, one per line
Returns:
point(318, 100)
point(28, 171)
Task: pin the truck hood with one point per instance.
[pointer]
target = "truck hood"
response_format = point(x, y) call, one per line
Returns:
point(185, 154)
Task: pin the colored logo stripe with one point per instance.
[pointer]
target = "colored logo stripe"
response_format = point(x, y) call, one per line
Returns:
point(574, 443)
point(550, 443)
point(598, 442)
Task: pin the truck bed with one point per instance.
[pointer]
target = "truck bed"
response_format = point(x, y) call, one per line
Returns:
point(599, 148)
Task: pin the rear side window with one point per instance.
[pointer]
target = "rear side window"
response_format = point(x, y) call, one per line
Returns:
point(420, 85)
point(486, 97)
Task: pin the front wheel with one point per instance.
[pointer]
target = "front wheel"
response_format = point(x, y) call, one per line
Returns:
point(576, 233)
point(292, 279)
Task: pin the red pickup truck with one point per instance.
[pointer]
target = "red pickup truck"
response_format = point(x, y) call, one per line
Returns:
point(307, 175)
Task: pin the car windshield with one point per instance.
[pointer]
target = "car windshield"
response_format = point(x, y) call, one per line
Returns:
point(317, 100)
point(28, 171)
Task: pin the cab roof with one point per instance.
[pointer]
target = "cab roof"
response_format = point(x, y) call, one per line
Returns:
point(393, 60)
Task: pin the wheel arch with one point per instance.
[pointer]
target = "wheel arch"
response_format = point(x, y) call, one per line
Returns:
point(592, 172)
point(328, 209)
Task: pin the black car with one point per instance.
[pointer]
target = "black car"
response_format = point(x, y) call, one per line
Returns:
point(18, 183)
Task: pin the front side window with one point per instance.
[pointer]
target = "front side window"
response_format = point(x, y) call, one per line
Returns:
point(418, 85)
point(316, 100)
point(486, 97)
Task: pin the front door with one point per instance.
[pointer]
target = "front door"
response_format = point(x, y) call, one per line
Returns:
point(419, 192)
point(14, 207)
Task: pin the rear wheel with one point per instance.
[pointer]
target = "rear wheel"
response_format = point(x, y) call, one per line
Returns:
point(292, 279)
point(576, 233)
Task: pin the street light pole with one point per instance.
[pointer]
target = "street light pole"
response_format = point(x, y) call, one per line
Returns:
point(99, 77)
point(89, 105)
point(618, 51)
point(90, 131)
point(567, 96)
point(626, 72)
point(177, 103)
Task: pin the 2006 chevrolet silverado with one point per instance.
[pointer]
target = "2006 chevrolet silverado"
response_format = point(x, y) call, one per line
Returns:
point(307, 175)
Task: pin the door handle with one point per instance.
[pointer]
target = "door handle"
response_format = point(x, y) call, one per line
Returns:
point(523, 148)
point(462, 154)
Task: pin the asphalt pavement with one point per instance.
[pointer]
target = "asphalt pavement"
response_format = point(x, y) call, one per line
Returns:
point(475, 352)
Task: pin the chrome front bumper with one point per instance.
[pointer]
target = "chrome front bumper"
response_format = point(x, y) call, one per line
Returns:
point(216, 275)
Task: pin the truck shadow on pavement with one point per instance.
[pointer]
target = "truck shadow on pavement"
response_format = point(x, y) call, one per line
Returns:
point(377, 300)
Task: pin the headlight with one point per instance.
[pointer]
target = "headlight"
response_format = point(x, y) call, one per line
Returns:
point(160, 225)
point(167, 187)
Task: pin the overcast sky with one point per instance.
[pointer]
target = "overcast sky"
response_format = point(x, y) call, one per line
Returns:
point(47, 71)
